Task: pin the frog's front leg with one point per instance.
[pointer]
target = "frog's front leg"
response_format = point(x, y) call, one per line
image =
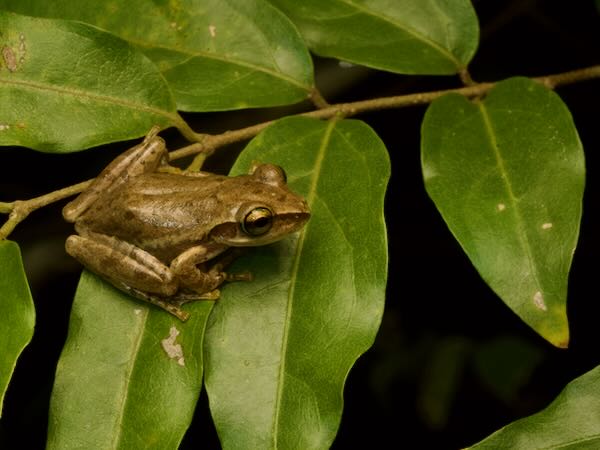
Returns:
point(128, 268)
point(186, 268)
point(142, 158)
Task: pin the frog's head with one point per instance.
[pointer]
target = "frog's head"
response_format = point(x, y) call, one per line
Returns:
point(262, 209)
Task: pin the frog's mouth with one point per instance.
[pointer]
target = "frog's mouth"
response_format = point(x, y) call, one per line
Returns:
point(233, 234)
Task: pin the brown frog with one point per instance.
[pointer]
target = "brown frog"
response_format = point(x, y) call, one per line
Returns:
point(160, 234)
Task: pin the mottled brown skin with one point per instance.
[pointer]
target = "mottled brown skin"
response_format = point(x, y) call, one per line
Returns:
point(155, 233)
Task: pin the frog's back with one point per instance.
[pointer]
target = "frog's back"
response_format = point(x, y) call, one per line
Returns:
point(160, 212)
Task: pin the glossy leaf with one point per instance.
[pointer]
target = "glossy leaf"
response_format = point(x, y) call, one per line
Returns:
point(121, 381)
point(507, 174)
point(278, 350)
point(67, 86)
point(17, 312)
point(403, 36)
point(570, 422)
point(215, 54)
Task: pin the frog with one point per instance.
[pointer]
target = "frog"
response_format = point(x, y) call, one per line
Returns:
point(165, 235)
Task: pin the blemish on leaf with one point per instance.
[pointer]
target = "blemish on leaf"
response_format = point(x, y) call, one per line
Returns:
point(538, 301)
point(212, 30)
point(500, 207)
point(173, 349)
point(546, 226)
point(4, 126)
point(10, 59)
point(137, 311)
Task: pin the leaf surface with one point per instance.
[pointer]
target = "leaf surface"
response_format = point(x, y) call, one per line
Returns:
point(121, 381)
point(507, 174)
point(570, 422)
point(403, 36)
point(67, 86)
point(215, 54)
point(278, 349)
point(17, 312)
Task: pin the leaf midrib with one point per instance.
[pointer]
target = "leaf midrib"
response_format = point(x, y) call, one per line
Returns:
point(521, 229)
point(566, 444)
point(217, 57)
point(409, 30)
point(128, 373)
point(77, 93)
point(310, 197)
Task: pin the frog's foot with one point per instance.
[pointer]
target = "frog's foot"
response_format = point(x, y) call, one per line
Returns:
point(166, 168)
point(181, 298)
point(165, 303)
point(173, 303)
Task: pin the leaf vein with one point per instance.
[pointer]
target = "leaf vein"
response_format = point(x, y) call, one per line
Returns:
point(79, 94)
point(310, 197)
point(512, 198)
point(127, 379)
point(409, 30)
point(190, 55)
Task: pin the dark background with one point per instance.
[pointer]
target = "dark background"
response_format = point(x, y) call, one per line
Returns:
point(451, 363)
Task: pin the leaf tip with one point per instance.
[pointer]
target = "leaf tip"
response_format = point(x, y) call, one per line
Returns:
point(558, 337)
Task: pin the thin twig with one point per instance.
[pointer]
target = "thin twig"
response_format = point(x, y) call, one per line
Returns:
point(214, 141)
point(317, 98)
point(207, 144)
point(20, 209)
point(187, 131)
point(465, 77)
point(573, 76)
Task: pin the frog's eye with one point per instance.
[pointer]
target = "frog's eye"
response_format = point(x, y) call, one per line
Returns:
point(257, 222)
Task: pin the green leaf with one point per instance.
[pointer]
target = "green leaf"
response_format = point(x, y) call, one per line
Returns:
point(17, 312)
point(215, 54)
point(405, 36)
point(67, 86)
point(570, 422)
point(121, 381)
point(278, 349)
point(507, 174)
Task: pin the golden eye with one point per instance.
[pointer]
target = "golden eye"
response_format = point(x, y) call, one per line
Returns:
point(257, 222)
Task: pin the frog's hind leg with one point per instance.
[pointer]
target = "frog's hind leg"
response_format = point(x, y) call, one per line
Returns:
point(172, 307)
point(120, 261)
point(128, 268)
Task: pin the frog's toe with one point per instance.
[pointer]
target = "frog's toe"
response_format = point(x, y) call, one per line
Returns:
point(181, 298)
